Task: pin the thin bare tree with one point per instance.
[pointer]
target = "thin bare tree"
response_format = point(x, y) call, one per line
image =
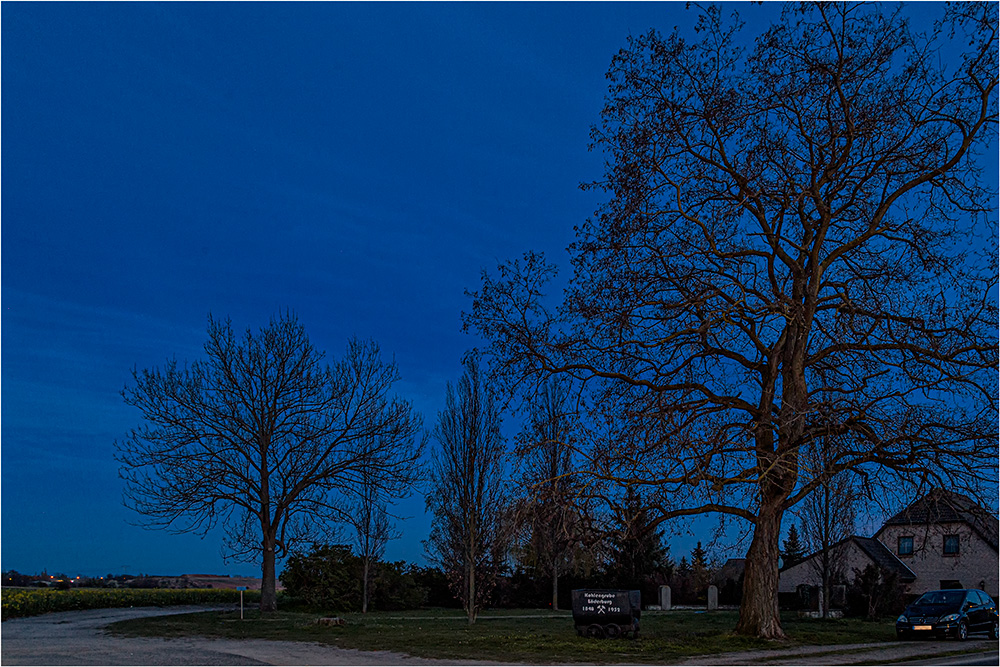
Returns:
point(373, 529)
point(467, 496)
point(828, 515)
point(816, 200)
point(264, 439)
point(549, 508)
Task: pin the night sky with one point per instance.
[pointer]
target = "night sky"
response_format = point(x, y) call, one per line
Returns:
point(359, 164)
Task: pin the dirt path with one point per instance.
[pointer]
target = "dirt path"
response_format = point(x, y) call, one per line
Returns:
point(78, 638)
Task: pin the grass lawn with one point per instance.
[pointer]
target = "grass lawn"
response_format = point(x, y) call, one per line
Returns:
point(542, 637)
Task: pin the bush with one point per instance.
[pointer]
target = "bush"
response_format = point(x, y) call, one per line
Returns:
point(874, 594)
point(434, 582)
point(329, 577)
point(395, 588)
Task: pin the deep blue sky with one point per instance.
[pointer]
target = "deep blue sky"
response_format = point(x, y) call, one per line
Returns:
point(359, 164)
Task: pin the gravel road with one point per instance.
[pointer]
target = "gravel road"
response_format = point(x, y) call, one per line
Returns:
point(78, 638)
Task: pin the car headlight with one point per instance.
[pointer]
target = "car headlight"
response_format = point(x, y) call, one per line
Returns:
point(949, 617)
point(902, 619)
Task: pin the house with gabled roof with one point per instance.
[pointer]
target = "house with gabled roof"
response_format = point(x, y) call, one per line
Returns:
point(942, 540)
point(948, 541)
point(846, 556)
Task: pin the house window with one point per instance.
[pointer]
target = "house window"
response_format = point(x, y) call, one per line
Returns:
point(905, 546)
point(951, 545)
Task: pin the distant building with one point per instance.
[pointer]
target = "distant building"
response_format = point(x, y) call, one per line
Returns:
point(205, 581)
point(942, 540)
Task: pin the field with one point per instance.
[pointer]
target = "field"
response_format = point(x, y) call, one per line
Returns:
point(19, 602)
point(529, 636)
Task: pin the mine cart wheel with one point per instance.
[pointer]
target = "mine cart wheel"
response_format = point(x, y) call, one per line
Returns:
point(596, 631)
point(613, 630)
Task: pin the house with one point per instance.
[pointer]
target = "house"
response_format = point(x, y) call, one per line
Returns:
point(846, 556)
point(948, 541)
point(942, 540)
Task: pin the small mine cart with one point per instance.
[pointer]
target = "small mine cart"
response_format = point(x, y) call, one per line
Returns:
point(604, 613)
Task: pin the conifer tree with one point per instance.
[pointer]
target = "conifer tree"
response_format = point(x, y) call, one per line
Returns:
point(793, 551)
point(700, 570)
point(638, 552)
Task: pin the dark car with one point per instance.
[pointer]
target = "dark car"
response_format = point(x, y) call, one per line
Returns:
point(950, 613)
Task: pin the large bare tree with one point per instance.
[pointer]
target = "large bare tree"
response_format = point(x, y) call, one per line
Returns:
point(466, 495)
point(788, 251)
point(265, 439)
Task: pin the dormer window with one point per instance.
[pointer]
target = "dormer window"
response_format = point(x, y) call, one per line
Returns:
point(951, 545)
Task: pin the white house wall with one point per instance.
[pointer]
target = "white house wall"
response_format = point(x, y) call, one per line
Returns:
point(976, 565)
point(847, 556)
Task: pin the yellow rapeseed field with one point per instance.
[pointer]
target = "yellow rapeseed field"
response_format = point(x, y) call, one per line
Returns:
point(18, 602)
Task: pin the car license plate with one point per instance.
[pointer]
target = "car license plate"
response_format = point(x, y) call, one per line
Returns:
point(923, 627)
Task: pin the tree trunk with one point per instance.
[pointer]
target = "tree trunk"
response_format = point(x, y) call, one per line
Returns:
point(268, 593)
point(364, 587)
point(471, 606)
point(555, 587)
point(759, 615)
point(827, 538)
point(826, 584)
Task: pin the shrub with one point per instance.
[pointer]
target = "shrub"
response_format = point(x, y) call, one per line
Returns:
point(435, 584)
point(874, 594)
point(395, 587)
point(329, 577)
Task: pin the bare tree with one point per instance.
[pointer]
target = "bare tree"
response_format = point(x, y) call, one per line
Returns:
point(373, 529)
point(467, 496)
point(549, 510)
point(785, 254)
point(828, 513)
point(264, 439)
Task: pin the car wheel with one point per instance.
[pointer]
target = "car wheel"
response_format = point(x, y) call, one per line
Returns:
point(613, 631)
point(963, 632)
point(595, 631)
point(900, 635)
